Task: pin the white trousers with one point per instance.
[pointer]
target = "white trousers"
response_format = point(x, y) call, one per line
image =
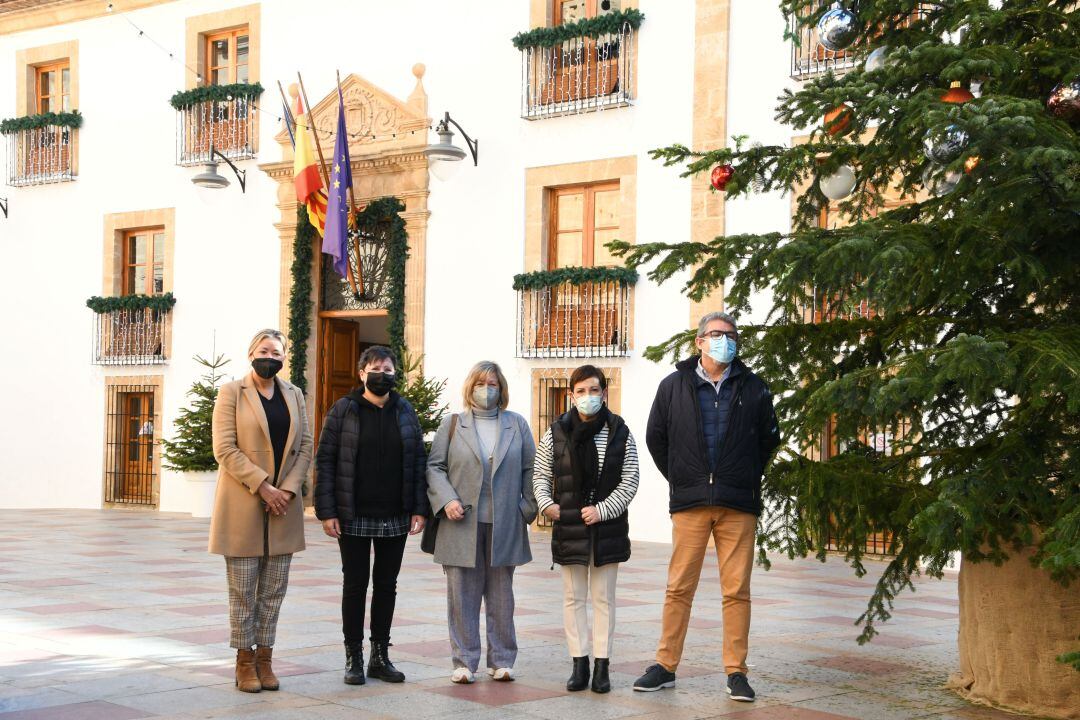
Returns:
point(578, 582)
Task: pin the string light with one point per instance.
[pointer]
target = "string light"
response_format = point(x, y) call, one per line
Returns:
point(199, 78)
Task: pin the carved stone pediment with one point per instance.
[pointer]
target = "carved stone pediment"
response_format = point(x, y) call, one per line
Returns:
point(377, 122)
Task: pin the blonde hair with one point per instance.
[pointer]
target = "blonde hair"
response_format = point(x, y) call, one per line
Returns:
point(482, 369)
point(263, 335)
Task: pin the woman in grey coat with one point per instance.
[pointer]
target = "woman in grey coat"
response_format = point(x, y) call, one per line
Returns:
point(480, 486)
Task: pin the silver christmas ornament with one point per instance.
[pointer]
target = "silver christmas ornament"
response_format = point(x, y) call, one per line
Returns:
point(839, 184)
point(877, 59)
point(837, 28)
point(940, 183)
point(944, 146)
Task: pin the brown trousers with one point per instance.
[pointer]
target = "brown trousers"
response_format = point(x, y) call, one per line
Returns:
point(733, 533)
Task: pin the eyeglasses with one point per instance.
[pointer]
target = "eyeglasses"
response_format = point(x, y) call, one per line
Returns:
point(716, 334)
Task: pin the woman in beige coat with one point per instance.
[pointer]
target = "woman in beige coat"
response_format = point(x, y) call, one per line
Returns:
point(263, 446)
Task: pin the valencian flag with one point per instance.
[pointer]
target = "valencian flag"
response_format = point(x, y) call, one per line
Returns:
point(336, 238)
point(309, 185)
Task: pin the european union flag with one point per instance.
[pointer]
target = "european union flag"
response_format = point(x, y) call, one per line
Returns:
point(336, 235)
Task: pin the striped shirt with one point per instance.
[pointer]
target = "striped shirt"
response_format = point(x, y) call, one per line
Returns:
point(610, 507)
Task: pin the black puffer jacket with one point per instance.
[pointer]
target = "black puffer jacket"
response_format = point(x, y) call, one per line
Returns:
point(335, 461)
point(572, 541)
point(676, 441)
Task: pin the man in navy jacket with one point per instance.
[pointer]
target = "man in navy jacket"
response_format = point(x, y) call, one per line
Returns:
point(711, 431)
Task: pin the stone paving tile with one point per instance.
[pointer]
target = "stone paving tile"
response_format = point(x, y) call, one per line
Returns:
point(135, 626)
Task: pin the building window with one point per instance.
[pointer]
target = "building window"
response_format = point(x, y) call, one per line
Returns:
point(227, 57)
point(567, 11)
point(144, 262)
point(53, 87)
point(131, 446)
point(584, 219)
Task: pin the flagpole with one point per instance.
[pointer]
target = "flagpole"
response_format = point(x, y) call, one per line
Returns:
point(352, 202)
point(318, 145)
point(322, 168)
point(290, 121)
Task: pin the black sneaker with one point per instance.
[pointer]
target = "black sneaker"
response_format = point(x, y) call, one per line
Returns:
point(738, 688)
point(655, 678)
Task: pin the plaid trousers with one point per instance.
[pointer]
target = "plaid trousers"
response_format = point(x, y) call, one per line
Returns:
point(256, 590)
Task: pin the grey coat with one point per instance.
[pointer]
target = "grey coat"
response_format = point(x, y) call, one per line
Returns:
point(457, 473)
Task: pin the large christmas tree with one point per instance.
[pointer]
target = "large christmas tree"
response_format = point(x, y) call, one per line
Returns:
point(931, 346)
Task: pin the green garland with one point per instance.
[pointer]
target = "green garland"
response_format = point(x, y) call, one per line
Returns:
point(102, 305)
point(574, 276)
point(71, 119)
point(594, 27)
point(214, 93)
point(378, 212)
point(300, 299)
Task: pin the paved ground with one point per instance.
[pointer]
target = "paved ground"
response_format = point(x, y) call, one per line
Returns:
point(119, 615)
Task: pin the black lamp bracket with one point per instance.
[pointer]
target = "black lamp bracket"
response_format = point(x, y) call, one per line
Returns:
point(241, 175)
point(474, 145)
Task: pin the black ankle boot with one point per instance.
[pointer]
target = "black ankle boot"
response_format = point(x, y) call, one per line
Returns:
point(380, 667)
point(354, 663)
point(600, 681)
point(579, 678)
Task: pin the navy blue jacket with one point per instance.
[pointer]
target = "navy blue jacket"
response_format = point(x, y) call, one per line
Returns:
point(679, 443)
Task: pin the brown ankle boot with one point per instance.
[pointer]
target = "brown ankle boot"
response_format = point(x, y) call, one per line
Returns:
point(263, 656)
point(246, 677)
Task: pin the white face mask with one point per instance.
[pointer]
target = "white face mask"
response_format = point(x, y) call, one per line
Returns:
point(486, 397)
point(589, 405)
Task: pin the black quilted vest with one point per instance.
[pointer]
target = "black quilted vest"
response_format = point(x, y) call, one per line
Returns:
point(573, 542)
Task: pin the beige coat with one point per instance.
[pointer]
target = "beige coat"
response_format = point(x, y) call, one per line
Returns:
point(246, 459)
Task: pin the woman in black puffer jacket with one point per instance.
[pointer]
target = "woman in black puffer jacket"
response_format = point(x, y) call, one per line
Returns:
point(585, 475)
point(371, 490)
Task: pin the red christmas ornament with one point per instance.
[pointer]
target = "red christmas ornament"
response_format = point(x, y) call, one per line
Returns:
point(838, 120)
point(721, 174)
point(957, 95)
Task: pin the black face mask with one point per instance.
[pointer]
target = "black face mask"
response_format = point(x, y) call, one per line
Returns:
point(266, 367)
point(380, 383)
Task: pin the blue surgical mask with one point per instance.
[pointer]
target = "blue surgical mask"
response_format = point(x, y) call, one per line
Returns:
point(589, 405)
point(722, 349)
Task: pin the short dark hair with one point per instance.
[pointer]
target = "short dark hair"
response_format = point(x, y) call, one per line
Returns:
point(585, 372)
point(375, 353)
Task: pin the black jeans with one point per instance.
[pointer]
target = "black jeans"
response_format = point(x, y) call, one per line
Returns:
point(356, 567)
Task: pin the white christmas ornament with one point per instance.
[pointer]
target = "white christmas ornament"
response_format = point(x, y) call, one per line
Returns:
point(838, 185)
point(877, 60)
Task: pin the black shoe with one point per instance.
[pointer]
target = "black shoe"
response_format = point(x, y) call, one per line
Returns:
point(738, 688)
point(354, 663)
point(600, 681)
point(380, 667)
point(579, 678)
point(655, 678)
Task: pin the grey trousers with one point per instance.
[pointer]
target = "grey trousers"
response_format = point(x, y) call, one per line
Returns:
point(256, 590)
point(465, 587)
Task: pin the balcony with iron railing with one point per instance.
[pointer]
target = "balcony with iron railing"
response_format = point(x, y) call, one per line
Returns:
point(218, 117)
point(811, 58)
point(574, 313)
point(578, 67)
point(131, 329)
point(41, 148)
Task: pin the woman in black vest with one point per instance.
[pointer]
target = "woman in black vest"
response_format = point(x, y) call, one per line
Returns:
point(586, 474)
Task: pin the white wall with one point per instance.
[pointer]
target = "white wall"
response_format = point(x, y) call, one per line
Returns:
point(227, 253)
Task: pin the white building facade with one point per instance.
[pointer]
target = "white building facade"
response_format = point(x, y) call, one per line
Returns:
point(108, 208)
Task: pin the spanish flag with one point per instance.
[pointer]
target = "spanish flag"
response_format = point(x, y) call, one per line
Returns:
point(306, 177)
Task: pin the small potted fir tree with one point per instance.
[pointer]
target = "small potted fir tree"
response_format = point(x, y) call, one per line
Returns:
point(190, 454)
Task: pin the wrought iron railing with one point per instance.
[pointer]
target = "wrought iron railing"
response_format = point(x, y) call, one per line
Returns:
point(810, 58)
point(227, 126)
point(41, 155)
point(131, 445)
point(568, 320)
point(580, 75)
point(131, 337)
